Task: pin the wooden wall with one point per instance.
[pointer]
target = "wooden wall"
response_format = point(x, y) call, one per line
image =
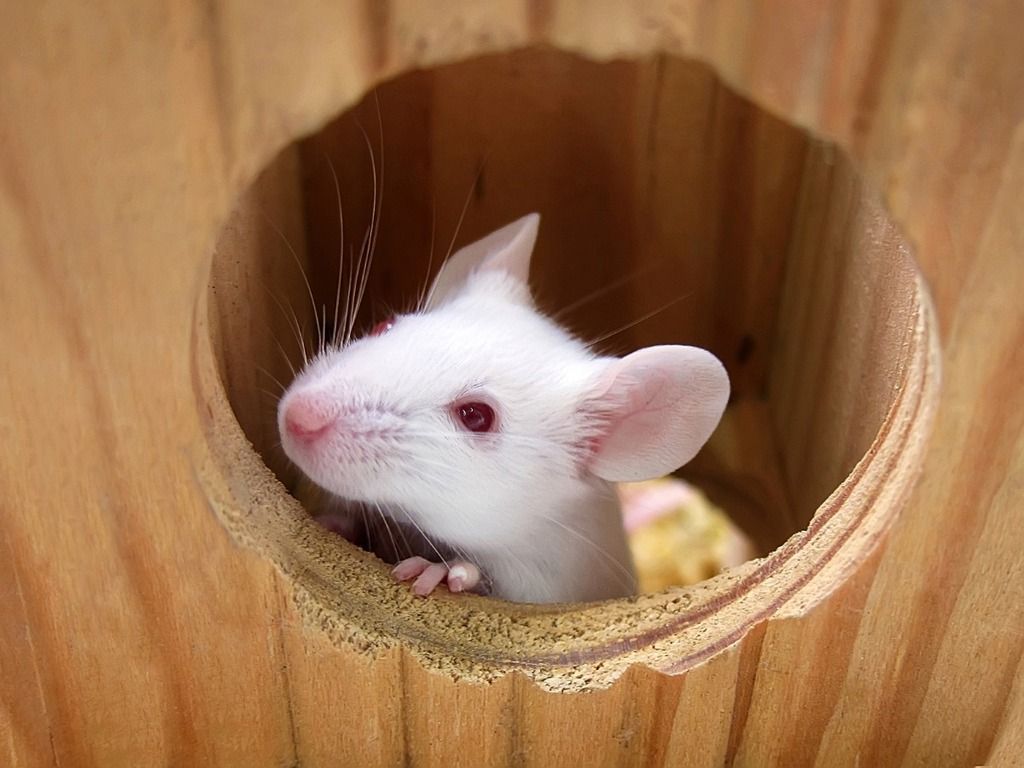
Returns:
point(164, 601)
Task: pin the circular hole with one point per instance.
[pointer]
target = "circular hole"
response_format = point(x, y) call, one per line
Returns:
point(674, 211)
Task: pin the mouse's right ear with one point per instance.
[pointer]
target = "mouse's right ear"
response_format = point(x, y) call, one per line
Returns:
point(506, 250)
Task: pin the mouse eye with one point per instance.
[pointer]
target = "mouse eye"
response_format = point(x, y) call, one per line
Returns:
point(383, 327)
point(476, 417)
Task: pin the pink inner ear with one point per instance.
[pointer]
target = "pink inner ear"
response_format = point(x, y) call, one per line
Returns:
point(656, 408)
point(507, 250)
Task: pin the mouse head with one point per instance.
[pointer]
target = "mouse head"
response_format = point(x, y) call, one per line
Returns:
point(477, 415)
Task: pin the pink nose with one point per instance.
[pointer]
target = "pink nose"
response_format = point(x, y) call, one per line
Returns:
point(306, 419)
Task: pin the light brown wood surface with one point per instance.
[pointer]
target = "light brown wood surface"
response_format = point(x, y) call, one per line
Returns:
point(163, 600)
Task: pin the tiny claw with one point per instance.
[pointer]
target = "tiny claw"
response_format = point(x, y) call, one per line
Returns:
point(463, 577)
point(456, 578)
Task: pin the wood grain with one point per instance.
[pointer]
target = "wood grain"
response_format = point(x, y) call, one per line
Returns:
point(163, 600)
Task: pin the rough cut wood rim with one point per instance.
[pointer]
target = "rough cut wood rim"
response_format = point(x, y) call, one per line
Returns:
point(350, 596)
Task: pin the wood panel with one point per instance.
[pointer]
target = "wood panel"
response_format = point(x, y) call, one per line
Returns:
point(163, 602)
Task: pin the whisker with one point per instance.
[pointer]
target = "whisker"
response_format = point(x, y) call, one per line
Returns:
point(421, 299)
point(380, 205)
point(356, 279)
point(401, 532)
point(350, 295)
point(617, 283)
point(272, 377)
point(370, 239)
point(548, 592)
point(362, 261)
point(323, 336)
point(341, 245)
point(280, 347)
point(639, 320)
point(426, 538)
point(284, 354)
point(298, 261)
point(384, 520)
point(627, 579)
point(458, 225)
point(296, 329)
point(366, 526)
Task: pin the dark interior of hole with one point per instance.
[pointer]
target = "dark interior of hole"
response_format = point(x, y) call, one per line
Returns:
point(648, 172)
point(672, 209)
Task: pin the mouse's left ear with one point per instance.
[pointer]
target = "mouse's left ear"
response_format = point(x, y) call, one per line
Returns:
point(652, 411)
point(506, 250)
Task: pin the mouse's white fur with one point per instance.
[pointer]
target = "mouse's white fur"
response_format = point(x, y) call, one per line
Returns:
point(524, 502)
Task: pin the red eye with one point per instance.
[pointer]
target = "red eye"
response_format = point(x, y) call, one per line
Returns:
point(383, 326)
point(476, 417)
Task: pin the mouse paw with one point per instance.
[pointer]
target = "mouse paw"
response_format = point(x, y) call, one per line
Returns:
point(460, 575)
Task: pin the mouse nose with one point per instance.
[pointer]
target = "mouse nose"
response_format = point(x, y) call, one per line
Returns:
point(306, 419)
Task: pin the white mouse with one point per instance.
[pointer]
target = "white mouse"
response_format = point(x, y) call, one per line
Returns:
point(489, 438)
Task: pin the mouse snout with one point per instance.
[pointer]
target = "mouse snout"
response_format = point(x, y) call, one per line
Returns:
point(306, 418)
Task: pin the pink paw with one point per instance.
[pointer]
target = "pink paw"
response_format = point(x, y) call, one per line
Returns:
point(460, 575)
